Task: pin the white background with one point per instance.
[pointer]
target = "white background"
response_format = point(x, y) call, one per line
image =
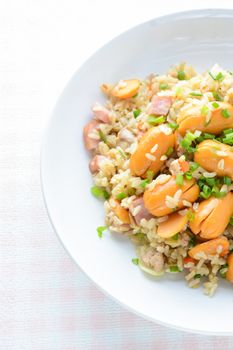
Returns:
point(42, 43)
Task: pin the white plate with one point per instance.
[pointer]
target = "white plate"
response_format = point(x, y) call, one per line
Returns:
point(197, 37)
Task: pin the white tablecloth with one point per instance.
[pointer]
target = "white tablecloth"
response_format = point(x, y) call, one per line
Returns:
point(46, 303)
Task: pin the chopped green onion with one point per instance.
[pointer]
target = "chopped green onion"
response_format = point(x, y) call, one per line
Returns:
point(207, 136)
point(99, 192)
point(131, 192)
point(197, 276)
point(192, 241)
point(216, 192)
point(100, 230)
point(188, 175)
point(193, 166)
point(155, 120)
point(227, 131)
point(227, 141)
point(134, 96)
point(181, 75)
point(231, 221)
point(122, 153)
point(150, 175)
point(187, 141)
point(144, 183)
point(196, 93)
point(215, 104)
point(175, 237)
point(229, 136)
point(173, 126)
point(174, 268)
point(178, 90)
point(163, 86)
point(206, 192)
point(136, 113)
point(227, 180)
point(179, 179)
point(204, 110)
point(169, 151)
point(139, 235)
point(210, 181)
point(190, 215)
point(223, 270)
point(102, 136)
point(216, 96)
point(135, 261)
point(217, 77)
point(226, 113)
point(121, 196)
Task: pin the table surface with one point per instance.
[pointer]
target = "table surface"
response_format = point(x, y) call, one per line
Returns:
point(46, 302)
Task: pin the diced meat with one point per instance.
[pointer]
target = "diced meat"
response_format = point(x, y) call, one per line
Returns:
point(101, 113)
point(141, 213)
point(126, 135)
point(95, 163)
point(153, 259)
point(160, 105)
point(91, 139)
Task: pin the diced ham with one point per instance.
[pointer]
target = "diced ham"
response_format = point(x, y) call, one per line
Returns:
point(160, 105)
point(91, 140)
point(95, 163)
point(143, 213)
point(154, 259)
point(101, 113)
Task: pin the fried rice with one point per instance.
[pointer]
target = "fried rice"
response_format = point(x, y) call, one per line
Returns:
point(122, 122)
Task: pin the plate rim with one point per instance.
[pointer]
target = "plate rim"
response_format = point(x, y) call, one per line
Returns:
point(174, 16)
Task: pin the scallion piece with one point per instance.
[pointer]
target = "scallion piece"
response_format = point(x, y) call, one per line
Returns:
point(121, 196)
point(211, 181)
point(181, 75)
point(227, 180)
point(155, 120)
point(197, 276)
point(102, 136)
point(173, 126)
point(217, 77)
point(149, 175)
point(163, 86)
point(136, 113)
point(135, 261)
point(216, 96)
point(179, 179)
point(169, 151)
point(226, 113)
point(204, 110)
point(206, 192)
point(207, 136)
point(229, 135)
point(188, 175)
point(215, 104)
point(99, 192)
point(192, 241)
point(193, 166)
point(175, 237)
point(144, 183)
point(227, 131)
point(196, 94)
point(100, 230)
point(190, 215)
point(174, 268)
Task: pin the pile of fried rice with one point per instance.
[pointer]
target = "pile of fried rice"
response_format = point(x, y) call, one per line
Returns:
point(121, 124)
